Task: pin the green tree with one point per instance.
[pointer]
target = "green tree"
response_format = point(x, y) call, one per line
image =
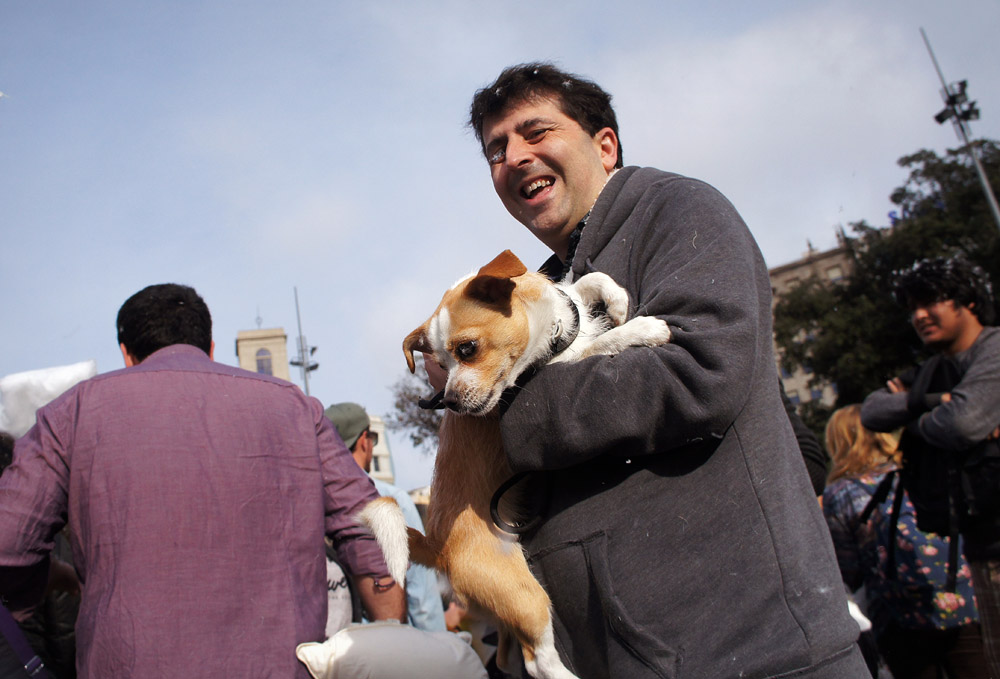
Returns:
point(853, 334)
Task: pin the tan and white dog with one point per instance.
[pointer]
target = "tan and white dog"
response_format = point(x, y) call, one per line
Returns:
point(487, 331)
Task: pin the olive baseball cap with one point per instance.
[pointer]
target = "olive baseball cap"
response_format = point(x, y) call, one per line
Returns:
point(350, 419)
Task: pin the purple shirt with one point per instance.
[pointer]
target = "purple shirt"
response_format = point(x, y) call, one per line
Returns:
point(197, 496)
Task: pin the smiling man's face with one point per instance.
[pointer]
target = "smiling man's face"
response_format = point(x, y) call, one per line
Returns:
point(546, 169)
point(945, 325)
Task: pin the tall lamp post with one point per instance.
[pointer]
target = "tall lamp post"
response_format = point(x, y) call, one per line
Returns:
point(305, 351)
point(960, 111)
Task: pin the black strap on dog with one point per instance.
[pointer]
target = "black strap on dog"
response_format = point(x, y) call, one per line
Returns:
point(512, 528)
point(563, 337)
point(435, 402)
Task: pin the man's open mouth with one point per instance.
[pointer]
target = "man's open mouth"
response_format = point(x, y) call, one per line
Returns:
point(532, 189)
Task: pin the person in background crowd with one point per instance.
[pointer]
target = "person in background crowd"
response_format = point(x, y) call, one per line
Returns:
point(920, 628)
point(422, 596)
point(197, 496)
point(949, 407)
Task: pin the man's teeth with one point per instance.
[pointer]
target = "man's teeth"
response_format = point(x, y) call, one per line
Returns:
point(536, 185)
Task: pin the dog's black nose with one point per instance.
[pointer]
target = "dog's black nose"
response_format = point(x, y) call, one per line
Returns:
point(450, 402)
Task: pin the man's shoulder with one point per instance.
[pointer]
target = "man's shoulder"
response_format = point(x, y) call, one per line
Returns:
point(635, 178)
point(633, 186)
point(989, 338)
point(181, 363)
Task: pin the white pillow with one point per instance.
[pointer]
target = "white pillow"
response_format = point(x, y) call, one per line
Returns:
point(21, 394)
point(389, 650)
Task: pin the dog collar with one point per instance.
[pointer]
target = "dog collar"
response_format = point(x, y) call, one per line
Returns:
point(562, 337)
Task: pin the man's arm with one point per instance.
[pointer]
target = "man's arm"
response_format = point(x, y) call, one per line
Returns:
point(423, 598)
point(348, 489)
point(885, 410)
point(972, 410)
point(33, 494)
point(381, 602)
point(695, 265)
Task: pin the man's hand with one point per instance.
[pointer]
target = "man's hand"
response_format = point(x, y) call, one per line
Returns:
point(436, 375)
point(381, 602)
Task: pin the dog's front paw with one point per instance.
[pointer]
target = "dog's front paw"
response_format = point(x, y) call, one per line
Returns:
point(647, 331)
point(597, 287)
point(616, 302)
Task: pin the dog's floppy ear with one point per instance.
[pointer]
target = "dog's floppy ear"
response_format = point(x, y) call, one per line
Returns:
point(416, 341)
point(493, 284)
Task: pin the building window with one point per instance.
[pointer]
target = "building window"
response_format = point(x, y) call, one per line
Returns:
point(816, 394)
point(264, 361)
point(793, 396)
point(834, 273)
point(376, 467)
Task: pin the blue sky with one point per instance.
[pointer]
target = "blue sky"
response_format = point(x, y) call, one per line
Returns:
point(249, 147)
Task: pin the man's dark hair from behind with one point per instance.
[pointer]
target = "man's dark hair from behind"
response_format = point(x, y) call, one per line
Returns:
point(578, 98)
point(161, 315)
point(947, 279)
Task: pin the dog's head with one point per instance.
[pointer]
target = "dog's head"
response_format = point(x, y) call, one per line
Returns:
point(482, 333)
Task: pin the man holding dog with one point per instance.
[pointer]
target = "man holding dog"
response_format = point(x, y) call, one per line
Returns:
point(680, 536)
point(197, 496)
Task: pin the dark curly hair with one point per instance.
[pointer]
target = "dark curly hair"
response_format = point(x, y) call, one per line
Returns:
point(947, 278)
point(161, 315)
point(580, 99)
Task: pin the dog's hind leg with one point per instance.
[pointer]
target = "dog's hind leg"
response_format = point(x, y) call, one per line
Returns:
point(546, 663)
point(493, 574)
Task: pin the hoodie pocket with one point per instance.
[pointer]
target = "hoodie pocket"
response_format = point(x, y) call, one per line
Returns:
point(593, 627)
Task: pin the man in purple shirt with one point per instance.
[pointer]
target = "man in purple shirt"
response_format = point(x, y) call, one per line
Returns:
point(196, 497)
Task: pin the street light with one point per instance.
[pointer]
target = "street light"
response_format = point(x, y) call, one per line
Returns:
point(959, 110)
point(305, 351)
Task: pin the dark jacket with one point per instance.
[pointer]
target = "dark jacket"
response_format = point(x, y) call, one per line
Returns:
point(682, 537)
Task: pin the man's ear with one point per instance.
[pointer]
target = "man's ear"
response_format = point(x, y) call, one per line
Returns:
point(607, 144)
point(130, 360)
point(211, 350)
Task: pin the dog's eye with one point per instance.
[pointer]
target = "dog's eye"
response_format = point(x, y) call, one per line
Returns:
point(466, 350)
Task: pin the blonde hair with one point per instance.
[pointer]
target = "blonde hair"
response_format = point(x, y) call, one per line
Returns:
point(856, 451)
